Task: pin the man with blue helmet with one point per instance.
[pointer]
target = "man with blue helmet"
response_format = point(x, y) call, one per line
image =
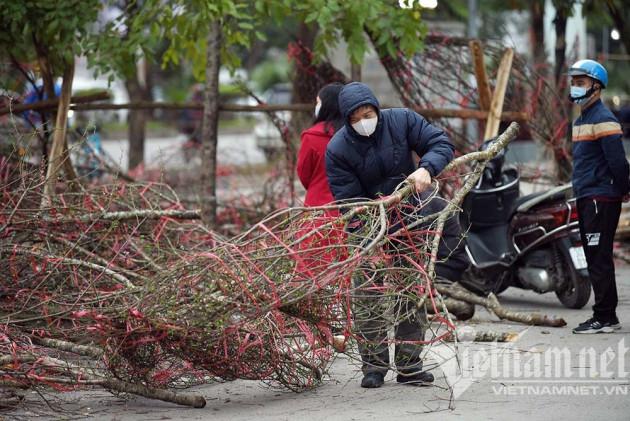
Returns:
point(600, 183)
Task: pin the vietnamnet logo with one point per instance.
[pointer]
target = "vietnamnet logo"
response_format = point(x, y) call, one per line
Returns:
point(515, 371)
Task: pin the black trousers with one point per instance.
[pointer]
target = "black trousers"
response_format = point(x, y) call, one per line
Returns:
point(598, 222)
point(374, 312)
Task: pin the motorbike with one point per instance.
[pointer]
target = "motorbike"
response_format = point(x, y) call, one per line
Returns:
point(530, 242)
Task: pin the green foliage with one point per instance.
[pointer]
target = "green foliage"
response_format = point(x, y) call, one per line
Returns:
point(394, 28)
point(184, 24)
point(178, 29)
point(268, 73)
point(59, 27)
point(119, 43)
point(187, 26)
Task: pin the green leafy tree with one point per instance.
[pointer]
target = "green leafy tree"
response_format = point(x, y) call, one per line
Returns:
point(191, 28)
point(50, 33)
point(394, 29)
point(121, 46)
point(209, 35)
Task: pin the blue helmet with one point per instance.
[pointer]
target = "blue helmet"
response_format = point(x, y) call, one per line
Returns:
point(591, 69)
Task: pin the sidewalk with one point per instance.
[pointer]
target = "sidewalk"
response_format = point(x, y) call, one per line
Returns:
point(579, 377)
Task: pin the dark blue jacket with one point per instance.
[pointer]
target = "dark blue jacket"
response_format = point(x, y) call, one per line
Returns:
point(451, 253)
point(600, 167)
point(372, 166)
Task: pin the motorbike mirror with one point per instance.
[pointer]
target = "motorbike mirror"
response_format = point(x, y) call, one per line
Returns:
point(494, 168)
point(484, 145)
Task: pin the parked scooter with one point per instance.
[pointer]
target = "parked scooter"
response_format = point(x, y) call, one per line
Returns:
point(530, 242)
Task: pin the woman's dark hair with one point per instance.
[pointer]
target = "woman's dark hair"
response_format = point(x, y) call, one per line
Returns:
point(329, 112)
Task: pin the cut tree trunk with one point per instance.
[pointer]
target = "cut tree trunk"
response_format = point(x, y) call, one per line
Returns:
point(492, 304)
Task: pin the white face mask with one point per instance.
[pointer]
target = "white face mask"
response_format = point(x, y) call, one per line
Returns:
point(366, 126)
point(581, 95)
point(317, 108)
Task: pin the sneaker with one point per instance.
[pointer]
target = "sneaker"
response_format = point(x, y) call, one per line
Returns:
point(593, 325)
point(614, 323)
point(418, 378)
point(373, 380)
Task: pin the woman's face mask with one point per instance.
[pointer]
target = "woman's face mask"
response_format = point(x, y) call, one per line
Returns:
point(318, 106)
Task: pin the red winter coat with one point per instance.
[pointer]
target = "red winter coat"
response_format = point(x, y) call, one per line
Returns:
point(312, 172)
point(310, 166)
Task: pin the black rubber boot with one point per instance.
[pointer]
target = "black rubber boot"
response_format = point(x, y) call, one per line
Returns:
point(418, 378)
point(373, 380)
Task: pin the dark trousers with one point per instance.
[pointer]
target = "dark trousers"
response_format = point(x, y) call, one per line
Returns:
point(598, 222)
point(374, 312)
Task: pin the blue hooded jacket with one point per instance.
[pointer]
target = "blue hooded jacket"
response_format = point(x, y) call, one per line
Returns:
point(371, 166)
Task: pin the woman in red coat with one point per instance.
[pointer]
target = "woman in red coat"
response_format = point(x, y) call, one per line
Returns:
point(310, 166)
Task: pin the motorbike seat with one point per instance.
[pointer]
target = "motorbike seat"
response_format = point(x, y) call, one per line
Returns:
point(489, 246)
point(526, 203)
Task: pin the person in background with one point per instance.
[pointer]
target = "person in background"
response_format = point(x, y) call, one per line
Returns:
point(192, 118)
point(310, 165)
point(368, 158)
point(600, 183)
point(623, 115)
point(33, 117)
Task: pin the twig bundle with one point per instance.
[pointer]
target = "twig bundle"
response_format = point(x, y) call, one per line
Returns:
point(120, 286)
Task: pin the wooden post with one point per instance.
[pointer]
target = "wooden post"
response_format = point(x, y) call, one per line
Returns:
point(496, 107)
point(476, 51)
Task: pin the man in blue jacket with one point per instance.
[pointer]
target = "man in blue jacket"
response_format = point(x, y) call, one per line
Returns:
point(600, 183)
point(368, 158)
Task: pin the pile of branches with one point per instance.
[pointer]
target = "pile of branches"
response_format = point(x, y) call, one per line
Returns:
point(441, 76)
point(120, 286)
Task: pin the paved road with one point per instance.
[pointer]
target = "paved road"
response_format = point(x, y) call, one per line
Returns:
point(580, 377)
point(232, 149)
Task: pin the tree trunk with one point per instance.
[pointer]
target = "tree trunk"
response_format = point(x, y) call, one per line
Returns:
point(622, 23)
point(48, 79)
point(564, 165)
point(538, 33)
point(305, 82)
point(139, 89)
point(255, 55)
point(137, 123)
point(59, 151)
point(45, 69)
point(305, 88)
point(210, 127)
point(560, 23)
point(355, 72)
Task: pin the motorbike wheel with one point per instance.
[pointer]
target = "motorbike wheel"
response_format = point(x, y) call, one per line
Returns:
point(576, 290)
